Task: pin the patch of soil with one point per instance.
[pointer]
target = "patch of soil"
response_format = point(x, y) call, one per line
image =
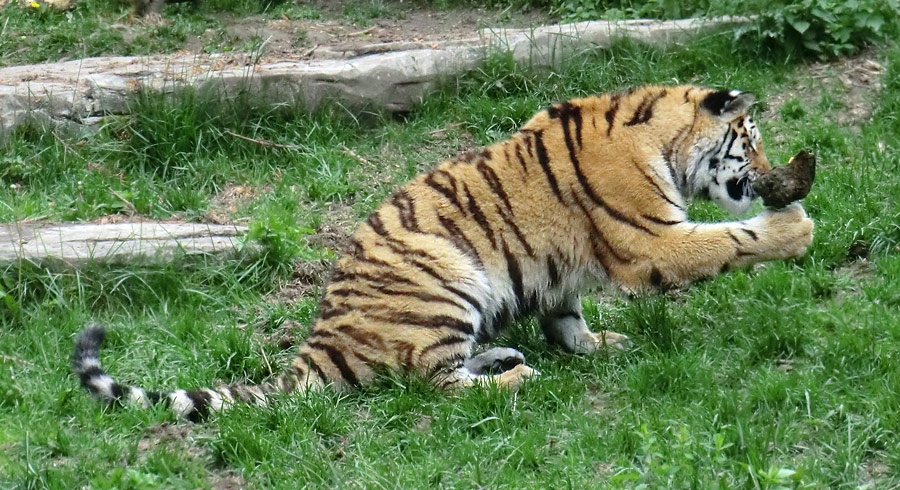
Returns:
point(286, 335)
point(224, 205)
point(171, 435)
point(335, 33)
point(333, 235)
point(228, 482)
point(308, 277)
point(857, 80)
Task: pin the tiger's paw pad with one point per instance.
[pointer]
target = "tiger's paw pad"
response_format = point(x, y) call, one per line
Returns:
point(612, 340)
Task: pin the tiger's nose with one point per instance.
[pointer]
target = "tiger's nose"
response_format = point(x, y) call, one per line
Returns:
point(761, 164)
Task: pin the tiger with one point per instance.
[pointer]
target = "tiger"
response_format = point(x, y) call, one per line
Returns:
point(588, 193)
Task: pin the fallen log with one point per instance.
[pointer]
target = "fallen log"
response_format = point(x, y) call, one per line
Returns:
point(119, 242)
point(391, 77)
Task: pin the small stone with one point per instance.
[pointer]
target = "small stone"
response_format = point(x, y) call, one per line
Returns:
point(787, 183)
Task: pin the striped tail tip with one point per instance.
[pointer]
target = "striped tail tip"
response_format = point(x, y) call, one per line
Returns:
point(86, 364)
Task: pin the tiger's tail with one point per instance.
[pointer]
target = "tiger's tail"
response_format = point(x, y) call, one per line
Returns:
point(194, 404)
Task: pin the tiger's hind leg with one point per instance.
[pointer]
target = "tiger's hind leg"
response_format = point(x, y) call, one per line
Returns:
point(565, 325)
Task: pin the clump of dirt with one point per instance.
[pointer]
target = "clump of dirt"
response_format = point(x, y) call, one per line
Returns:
point(787, 183)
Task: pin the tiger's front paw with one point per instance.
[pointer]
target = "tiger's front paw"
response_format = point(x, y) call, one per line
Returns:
point(786, 233)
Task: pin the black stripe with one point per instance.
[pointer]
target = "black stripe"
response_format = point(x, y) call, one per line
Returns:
point(751, 233)
point(420, 295)
point(669, 152)
point(377, 225)
point(644, 112)
point(583, 179)
point(307, 360)
point(597, 238)
point(552, 271)
point(611, 113)
point(406, 209)
point(515, 275)
point(521, 159)
point(384, 277)
point(431, 322)
point(560, 315)
point(491, 325)
point(459, 239)
point(332, 312)
point(656, 277)
point(727, 142)
point(511, 223)
point(661, 221)
point(526, 139)
point(489, 176)
point(88, 375)
point(337, 358)
point(445, 341)
point(733, 238)
point(319, 332)
point(200, 399)
point(612, 212)
point(348, 292)
point(567, 136)
point(406, 349)
point(544, 160)
point(466, 297)
point(566, 112)
point(402, 249)
point(656, 188)
point(369, 339)
point(447, 189)
point(480, 219)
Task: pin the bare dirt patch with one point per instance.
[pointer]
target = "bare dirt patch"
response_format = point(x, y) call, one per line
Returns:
point(226, 203)
point(854, 80)
point(180, 436)
point(336, 29)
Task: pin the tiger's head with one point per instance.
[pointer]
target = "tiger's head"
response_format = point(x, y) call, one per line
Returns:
point(726, 151)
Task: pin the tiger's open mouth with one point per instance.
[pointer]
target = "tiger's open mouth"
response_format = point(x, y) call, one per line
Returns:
point(739, 188)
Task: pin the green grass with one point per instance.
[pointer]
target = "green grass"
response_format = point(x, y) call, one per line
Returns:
point(781, 376)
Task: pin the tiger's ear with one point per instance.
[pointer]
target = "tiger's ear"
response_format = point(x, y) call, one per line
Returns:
point(728, 105)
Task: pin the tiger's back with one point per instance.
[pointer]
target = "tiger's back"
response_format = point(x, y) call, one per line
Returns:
point(589, 190)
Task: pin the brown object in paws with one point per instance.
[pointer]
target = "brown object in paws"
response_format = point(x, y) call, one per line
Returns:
point(787, 183)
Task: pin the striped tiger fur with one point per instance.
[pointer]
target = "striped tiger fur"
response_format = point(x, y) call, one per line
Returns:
point(589, 191)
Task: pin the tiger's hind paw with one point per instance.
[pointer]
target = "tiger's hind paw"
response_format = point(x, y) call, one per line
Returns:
point(495, 360)
point(612, 340)
point(516, 376)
